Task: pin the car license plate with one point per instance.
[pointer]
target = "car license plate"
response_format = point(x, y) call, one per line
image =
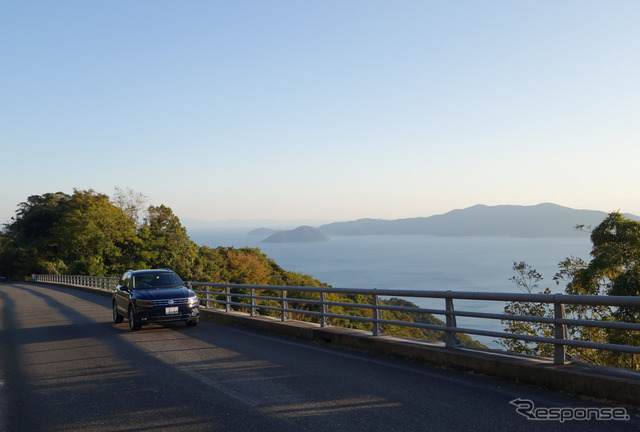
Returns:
point(171, 310)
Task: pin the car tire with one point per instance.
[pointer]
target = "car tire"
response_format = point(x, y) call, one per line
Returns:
point(192, 323)
point(117, 318)
point(134, 325)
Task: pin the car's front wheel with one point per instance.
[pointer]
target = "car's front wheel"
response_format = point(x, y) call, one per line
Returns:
point(117, 318)
point(192, 323)
point(134, 325)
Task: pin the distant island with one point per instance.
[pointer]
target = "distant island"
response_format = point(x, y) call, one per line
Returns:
point(541, 220)
point(300, 234)
point(263, 232)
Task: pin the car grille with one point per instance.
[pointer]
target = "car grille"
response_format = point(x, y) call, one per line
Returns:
point(171, 302)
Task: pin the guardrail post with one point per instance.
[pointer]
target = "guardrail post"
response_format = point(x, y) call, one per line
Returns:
point(376, 315)
point(253, 302)
point(227, 306)
point(208, 295)
point(325, 309)
point(285, 305)
point(450, 336)
point(560, 332)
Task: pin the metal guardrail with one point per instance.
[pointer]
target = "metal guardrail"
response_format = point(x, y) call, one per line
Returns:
point(215, 295)
point(101, 283)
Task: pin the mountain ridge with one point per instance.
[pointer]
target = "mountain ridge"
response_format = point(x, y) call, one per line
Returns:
point(540, 220)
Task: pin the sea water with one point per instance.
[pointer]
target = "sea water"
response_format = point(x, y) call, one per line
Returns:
point(479, 264)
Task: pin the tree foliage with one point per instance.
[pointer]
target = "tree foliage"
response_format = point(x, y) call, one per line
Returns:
point(614, 270)
point(528, 279)
point(92, 234)
point(29, 243)
point(166, 243)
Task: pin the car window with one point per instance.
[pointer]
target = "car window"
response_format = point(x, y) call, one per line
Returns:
point(125, 281)
point(158, 280)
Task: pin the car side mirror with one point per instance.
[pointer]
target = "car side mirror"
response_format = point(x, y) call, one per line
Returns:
point(188, 284)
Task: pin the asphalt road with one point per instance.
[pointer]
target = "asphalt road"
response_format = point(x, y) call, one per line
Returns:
point(65, 367)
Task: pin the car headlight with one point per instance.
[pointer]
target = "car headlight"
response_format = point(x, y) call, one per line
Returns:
point(193, 301)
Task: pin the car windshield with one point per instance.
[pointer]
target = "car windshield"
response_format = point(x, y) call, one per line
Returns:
point(157, 280)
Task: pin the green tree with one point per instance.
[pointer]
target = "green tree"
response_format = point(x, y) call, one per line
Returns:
point(93, 234)
point(29, 244)
point(528, 279)
point(166, 243)
point(211, 265)
point(613, 270)
point(615, 264)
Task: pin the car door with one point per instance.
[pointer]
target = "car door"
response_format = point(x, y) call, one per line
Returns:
point(123, 293)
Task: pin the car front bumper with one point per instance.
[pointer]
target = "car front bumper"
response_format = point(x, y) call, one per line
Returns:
point(164, 314)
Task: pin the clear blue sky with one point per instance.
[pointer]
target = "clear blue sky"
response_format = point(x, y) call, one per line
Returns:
point(324, 110)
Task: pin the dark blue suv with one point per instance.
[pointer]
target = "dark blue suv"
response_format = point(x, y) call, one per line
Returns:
point(146, 296)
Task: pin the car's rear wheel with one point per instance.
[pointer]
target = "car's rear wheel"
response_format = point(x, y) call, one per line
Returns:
point(134, 325)
point(117, 318)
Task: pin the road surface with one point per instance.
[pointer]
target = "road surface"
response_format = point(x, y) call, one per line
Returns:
point(64, 366)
